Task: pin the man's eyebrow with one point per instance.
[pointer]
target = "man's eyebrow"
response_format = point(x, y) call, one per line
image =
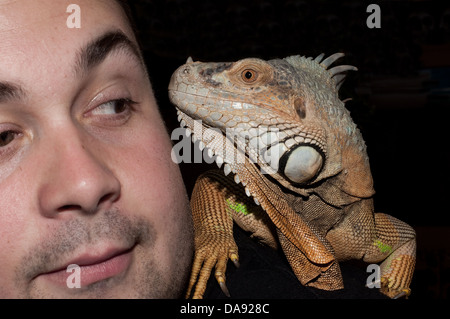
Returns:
point(90, 56)
point(9, 91)
point(97, 50)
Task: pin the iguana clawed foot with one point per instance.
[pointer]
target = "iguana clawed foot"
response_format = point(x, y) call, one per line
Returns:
point(392, 288)
point(394, 293)
point(396, 273)
point(209, 253)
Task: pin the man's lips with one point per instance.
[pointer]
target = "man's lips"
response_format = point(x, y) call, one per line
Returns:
point(92, 268)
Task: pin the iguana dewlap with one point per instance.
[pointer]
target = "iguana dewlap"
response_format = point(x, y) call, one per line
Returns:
point(295, 172)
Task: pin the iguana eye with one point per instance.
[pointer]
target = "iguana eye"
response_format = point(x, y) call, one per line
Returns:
point(249, 75)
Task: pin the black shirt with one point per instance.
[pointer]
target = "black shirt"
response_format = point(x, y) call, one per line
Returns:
point(265, 273)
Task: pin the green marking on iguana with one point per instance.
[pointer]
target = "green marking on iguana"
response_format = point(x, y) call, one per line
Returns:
point(238, 207)
point(384, 248)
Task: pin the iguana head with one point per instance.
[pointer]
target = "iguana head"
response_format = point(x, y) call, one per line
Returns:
point(284, 114)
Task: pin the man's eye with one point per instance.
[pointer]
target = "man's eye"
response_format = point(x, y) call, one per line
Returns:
point(113, 107)
point(7, 137)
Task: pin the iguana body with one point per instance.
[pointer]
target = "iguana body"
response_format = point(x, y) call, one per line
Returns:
point(297, 174)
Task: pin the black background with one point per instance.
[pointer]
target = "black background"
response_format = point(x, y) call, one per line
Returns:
point(400, 95)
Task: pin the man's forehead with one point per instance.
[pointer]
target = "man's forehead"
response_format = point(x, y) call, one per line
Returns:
point(17, 15)
point(35, 34)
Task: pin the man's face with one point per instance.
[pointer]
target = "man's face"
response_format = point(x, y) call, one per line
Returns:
point(85, 171)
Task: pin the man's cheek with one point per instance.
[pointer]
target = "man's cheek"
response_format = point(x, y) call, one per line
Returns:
point(145, 176)
point(18, 221)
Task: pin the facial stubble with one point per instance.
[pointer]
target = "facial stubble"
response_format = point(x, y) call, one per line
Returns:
point(147, 278)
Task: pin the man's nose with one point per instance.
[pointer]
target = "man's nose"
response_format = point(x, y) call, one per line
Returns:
point(77, 179)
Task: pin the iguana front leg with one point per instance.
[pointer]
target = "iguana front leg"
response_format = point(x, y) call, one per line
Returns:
point(396, 240)
point(216, 201)
point(378, 238)
point(213, 229)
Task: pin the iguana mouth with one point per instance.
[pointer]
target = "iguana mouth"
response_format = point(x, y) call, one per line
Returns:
point(192, 100)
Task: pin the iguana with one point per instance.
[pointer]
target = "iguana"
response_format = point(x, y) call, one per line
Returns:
point(295, 172)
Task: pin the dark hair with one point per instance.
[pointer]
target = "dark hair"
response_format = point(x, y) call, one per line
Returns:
point(131, 16)
point(128, 11)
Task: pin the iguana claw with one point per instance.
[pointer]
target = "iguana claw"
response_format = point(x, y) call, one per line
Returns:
point(221, 279)
point(234, 258)
point(223, 286)
point(403, 293)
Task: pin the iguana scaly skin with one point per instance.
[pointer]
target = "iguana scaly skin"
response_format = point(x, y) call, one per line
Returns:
point(300, 177)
